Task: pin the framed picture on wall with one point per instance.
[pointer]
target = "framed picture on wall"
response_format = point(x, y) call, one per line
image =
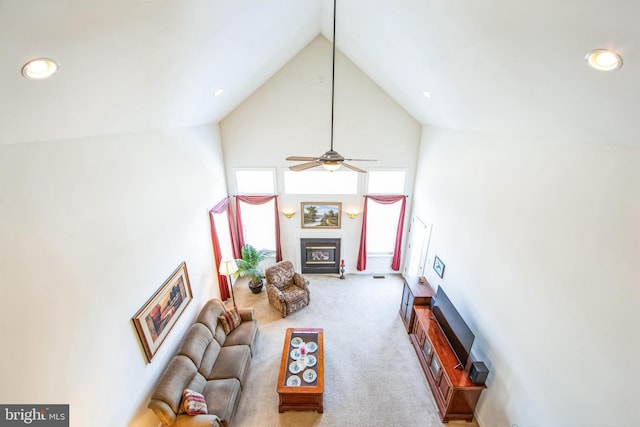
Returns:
point(438, 266)
point(160, 313)
point(321, 214)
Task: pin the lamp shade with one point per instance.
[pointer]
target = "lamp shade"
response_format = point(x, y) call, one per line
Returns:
point(228, 266)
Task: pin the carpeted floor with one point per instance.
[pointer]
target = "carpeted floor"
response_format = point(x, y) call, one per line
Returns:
point(372, 374)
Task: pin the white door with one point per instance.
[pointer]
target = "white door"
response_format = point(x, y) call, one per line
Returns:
point(419, 235)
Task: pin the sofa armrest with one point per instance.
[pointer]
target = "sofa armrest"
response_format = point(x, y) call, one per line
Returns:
point(246, 313)
point(300, 281)
point(163, 411)
point(275, 293)
point(209, 420)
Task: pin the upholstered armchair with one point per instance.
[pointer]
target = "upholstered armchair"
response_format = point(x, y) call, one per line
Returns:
point(287, 290)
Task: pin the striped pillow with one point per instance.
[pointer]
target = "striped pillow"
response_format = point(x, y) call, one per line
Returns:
point(230, 320)
point(193, 403)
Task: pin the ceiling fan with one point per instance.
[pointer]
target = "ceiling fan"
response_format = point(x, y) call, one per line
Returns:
point(331, 160)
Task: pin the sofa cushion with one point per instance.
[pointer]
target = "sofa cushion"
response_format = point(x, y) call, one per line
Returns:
point(222, 398)
point(196, 342)
point(230, 320)
point(199, 346)
point(245, 334)
point(208, 316)
point(233, 362)
point(193, 403)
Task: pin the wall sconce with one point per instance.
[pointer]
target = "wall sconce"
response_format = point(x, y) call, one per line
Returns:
point(288, 214)
point(352, 214)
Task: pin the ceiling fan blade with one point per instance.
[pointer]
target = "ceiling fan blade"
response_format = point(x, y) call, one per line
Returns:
point(303, 166)
point(361, 160)
point(301, 158)
point(347, 165)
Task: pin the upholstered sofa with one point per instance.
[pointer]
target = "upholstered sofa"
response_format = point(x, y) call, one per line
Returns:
point(287, 290)
point(210, 363)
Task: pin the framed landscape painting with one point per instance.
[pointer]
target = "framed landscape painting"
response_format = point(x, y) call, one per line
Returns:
point(321, 214)
point(160, 313)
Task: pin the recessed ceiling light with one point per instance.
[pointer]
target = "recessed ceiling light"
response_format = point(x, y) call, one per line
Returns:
point(426, 94)
point(604, 60)
point(218, 92)
point(40, 68)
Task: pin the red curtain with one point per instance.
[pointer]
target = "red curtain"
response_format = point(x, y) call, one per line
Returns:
point(362, 253)
point(221, 207)
point(258, 200)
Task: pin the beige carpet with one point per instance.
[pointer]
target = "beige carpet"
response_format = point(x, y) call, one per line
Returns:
point(372, 374)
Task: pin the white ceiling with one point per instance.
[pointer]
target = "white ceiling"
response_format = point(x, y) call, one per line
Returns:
point(508, 67)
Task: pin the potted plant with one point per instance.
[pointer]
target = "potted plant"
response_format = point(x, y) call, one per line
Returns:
point(249, 266)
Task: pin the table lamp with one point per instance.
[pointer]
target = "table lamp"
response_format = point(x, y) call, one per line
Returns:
point(228, 266)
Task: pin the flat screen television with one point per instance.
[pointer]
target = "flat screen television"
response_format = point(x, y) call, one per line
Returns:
point(453, 326)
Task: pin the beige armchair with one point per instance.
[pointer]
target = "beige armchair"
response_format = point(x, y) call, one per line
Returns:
point(287, 290)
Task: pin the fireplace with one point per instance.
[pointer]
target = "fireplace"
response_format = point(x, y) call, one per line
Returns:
point(320, 255)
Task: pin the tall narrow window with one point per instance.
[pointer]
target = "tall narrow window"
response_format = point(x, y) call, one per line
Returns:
point(222, 239)
point(383, 216)
point(257, 209)
point(382, 224)
point(256, 229)
point(263, 211)
point(364, 248)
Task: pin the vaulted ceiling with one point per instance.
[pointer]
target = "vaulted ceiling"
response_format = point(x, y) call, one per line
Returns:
point(496, 66)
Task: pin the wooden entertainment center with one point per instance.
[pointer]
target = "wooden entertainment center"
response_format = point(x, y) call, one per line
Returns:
point(455, 395)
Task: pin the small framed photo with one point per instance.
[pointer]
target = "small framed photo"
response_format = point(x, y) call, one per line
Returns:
point(438, 266)
point(160, 313)
point(321, 215)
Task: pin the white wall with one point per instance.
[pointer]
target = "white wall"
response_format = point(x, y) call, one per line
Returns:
point(540, 242)
point(90, 229)
point(290, 115)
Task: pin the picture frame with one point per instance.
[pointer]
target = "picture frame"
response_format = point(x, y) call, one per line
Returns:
point(321, 214)
point(438, 266)
point(160, 313)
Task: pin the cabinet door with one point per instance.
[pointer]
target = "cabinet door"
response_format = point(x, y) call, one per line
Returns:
point(436, 368)
point(444, 387)
point(419, 332)
point(427, 348)
point(409, 312)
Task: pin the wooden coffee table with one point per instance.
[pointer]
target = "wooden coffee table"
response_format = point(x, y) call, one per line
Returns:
point(304, 391)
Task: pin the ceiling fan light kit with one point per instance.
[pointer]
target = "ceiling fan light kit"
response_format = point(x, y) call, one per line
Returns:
point(331, 160)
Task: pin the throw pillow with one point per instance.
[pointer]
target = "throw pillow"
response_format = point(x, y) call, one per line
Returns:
point(193, 403)
point(230, 320)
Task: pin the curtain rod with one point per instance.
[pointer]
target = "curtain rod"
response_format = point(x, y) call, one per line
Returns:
point(367, 195)
point(259, 195)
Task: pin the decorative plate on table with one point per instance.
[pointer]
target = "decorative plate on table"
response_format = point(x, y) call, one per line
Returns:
point(297, 342)
point(311, 347)
point(294, 367)
point(293, 381)
point(295, 353)
point(311, 360)
point(309, 375)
